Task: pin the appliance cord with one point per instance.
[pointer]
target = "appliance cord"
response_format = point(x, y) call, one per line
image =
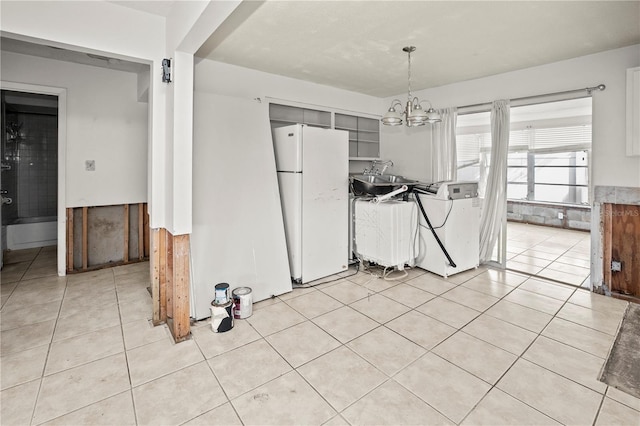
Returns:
point(435, 235)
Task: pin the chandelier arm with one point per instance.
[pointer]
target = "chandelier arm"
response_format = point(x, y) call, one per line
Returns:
point(395, 103)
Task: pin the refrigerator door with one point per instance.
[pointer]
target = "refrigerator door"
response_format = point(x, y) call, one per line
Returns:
point(287, 143)
point(291, 199)
point(325, 202)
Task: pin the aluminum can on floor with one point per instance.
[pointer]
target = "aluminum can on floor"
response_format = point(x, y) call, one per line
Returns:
point(221, 317)
point(242, 302)
point(222, 294)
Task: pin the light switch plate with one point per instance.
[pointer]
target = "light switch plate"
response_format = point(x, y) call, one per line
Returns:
point(90, 165)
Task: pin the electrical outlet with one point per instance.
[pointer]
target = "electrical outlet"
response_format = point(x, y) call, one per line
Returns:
point(90, 165)
point(560, 215)
point(616, 266)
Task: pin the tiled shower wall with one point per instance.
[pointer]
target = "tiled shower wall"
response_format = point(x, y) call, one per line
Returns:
point(34, 160)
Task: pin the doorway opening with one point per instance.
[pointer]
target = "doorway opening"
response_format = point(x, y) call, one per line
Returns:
point(547, 233)
point(29, 180)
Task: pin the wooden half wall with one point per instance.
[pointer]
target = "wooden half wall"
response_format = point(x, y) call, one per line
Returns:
point(105, 236)
point(170, 282)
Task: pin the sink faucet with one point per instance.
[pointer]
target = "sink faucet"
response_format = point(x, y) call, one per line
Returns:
point(375, 167)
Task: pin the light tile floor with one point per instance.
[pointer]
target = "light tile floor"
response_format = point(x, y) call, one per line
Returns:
point(482, 347)
point(554, 253)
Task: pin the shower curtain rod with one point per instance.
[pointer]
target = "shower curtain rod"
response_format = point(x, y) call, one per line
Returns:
point(487, 105)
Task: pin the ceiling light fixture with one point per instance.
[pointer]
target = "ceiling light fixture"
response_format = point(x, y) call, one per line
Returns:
point(413, 113)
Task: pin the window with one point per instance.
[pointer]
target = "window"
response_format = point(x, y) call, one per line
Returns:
point(549, 148)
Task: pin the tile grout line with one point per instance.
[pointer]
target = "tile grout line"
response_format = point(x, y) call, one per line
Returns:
point(124, 347)
point(509, 369)
point(206, 361)
point(551, 371)
point(44, 367)
point(20, 279)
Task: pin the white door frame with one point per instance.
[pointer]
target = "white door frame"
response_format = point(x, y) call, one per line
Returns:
point(61, 93)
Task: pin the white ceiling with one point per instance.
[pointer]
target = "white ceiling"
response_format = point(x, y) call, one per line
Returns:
point(57, 53)
point(357, 45)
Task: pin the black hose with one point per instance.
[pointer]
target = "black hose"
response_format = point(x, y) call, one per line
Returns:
point(433, 231)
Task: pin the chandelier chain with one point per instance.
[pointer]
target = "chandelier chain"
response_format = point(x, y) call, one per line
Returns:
point(409, 75)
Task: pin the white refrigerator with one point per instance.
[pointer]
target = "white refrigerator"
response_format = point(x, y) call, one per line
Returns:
point(313, 177)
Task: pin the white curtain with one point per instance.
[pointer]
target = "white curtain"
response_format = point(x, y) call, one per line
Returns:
point(443, 146)
point(494, 206)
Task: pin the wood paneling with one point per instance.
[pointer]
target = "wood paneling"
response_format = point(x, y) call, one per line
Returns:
point(106, 236)
point(606, 243)
point(158, 259)
point(85, 238)
point(625, 248)
point(170, 285)
point(141, 247)
point(69, 240)
point(180, 326)
point(146, 228)
point(125, 248)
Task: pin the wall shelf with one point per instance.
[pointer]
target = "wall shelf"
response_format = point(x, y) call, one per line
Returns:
point(365, 143)
point(364, 132)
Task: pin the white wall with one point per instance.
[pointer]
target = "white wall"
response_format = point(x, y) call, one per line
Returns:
point(611, 166)
point(409, 149)
point(112, 30)
point(231, 80)
point(105, 123)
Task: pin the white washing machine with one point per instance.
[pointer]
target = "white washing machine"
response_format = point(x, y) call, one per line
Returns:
point(385, 233)
point(453, 208)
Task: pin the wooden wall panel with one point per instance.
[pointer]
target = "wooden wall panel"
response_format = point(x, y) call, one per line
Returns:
point(106, 236)
point(125, 246)
point(605, 212)
point(157, 269)
point(85, 238)
point(625, 248)
point(168, 294)
point(170, 284)
point(70, 265)
point(141, 249)
point(145, 215)
point(180, 293)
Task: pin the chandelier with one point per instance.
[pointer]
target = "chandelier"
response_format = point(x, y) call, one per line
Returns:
point(413, 113)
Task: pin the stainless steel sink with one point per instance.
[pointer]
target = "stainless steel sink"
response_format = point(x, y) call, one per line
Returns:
point(400, 180)
point(379, 184)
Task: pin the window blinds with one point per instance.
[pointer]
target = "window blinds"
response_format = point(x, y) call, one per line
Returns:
point(530, 139)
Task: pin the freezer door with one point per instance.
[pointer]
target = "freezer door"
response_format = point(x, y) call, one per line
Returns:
point(325, 202)
point(287, 144)
point(291, 199)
